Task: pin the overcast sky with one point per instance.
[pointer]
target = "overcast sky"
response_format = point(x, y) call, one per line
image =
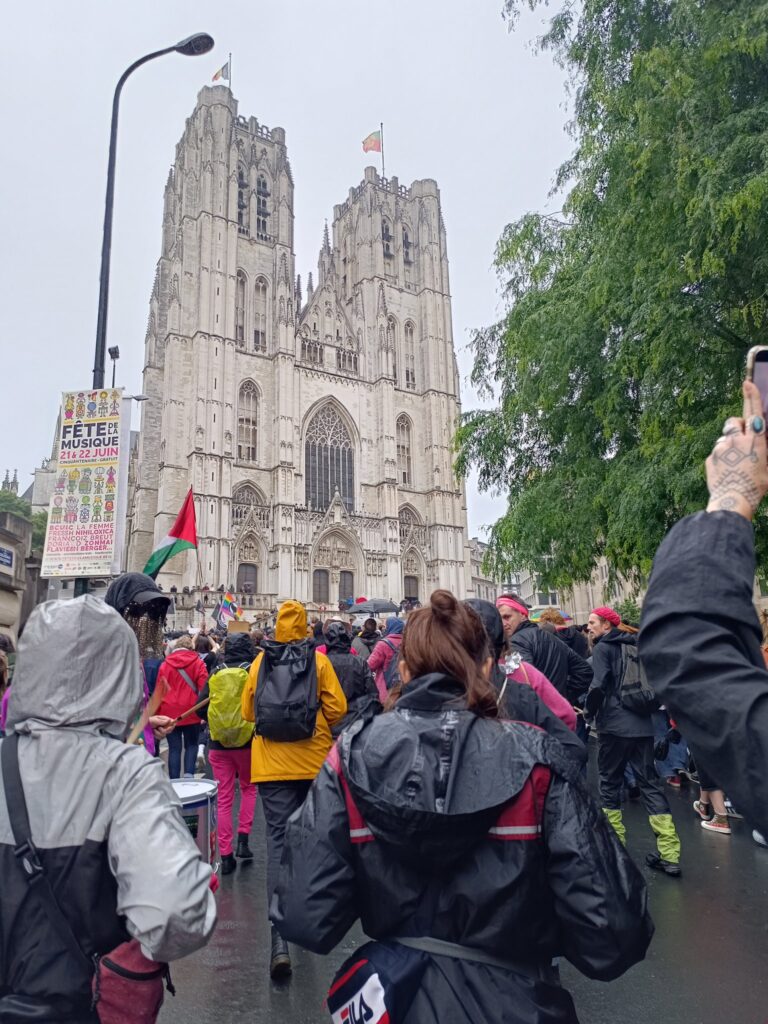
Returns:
point(462, 101)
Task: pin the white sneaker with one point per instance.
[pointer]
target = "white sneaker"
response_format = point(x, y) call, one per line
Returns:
point(759, 839)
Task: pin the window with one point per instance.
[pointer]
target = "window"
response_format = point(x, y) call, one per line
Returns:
point(246, 497)
point(311, 349)
point(392, 342)
point(407, 258)
point(329, 461)
point(403, 431)
point(346, 358)
point(346, 586)
point(240, 308)
point(262, 207)
point(320, 586)
point(411, 588)
point(407, 521)
point(243, 212)
point(247, 422)
point(409, 352)
point(247, 578)
point(386, 237)
point(260, 315)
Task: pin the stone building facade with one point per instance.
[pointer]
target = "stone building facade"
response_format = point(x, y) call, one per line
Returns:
point(314, 427)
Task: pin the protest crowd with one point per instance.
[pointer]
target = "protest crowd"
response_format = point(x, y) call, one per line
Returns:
point(424, 775)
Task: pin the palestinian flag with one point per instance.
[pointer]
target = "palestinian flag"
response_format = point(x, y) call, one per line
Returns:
point(181, 536)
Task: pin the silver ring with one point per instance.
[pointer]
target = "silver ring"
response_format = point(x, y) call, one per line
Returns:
point(729, 431)
point(757, 424)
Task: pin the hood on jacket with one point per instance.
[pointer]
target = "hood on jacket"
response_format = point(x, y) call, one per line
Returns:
point(430, 777)
point(291, 624)
point(134, 588)
point(617, 637)
point(337, 637)
point(77, 666)
point(491, 619)
point(394, 626)
point(182, 657)
point(238, 648)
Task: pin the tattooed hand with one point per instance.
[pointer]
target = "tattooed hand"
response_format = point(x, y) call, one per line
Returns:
point(737, 469)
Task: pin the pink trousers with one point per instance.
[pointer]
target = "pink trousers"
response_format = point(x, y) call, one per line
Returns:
point(227, 766)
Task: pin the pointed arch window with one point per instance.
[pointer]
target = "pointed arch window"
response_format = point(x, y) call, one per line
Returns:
point(329, 461)
point(407, 521)
point(262, 207)
point(260, 315)
point(240, 307)
point(243, 211)
point(247, 422)
point(409, 353)
point(386, 237)
point(311, 349)
point(404, 467)
point(407, 255)
point(346, 358)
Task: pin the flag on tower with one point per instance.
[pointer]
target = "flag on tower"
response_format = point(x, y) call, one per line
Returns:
point(223, 72)
point(372, 143)
point(182, 535)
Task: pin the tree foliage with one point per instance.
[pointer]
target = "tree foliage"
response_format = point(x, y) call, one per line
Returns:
point(629, 316)
point(10, 502)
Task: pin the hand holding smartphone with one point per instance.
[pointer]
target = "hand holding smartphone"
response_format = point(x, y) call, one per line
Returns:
point(757, 372)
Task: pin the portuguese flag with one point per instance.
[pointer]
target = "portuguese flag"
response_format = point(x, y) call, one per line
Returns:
point(181, 536)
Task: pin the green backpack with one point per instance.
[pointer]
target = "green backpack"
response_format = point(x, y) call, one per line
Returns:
point(225, 720)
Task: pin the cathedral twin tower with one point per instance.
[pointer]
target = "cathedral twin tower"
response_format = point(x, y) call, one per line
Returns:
point(316, 429)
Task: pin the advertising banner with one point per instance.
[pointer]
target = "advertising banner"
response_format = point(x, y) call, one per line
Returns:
point(83, 514)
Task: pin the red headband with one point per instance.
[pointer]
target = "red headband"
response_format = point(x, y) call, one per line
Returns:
point(514, 605)
point(608, 614)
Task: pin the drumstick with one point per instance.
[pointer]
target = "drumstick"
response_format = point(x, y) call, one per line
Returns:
point(152, 705)
point(192, 710)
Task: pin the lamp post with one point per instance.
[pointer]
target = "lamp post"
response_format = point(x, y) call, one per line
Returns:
point(114, 355)
point(193, 46)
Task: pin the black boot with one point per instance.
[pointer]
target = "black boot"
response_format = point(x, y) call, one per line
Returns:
point(244, 852)
point(657, 862)
point(228, 864)
point(280, 961)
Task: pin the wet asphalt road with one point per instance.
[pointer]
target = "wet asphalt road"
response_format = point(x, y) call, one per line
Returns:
point(707, 964)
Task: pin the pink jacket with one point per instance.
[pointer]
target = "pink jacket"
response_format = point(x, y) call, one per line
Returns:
point(381, 655)
point(554, 700)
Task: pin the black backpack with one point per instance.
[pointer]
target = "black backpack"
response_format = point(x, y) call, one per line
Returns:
point(635, 692)
point(285, 704)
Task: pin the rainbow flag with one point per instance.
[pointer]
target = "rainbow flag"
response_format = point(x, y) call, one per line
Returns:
point(372, 143)
point(230, 609)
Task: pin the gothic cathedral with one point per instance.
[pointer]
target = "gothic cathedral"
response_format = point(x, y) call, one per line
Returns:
point(314, 427)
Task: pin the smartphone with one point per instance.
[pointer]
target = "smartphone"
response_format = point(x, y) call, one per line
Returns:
point(757, 372)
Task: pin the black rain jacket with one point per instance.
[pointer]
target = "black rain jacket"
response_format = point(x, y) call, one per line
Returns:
point(355, 677)
point(569, 673)
point(522, 704)
point(575, 640)
point(431, 821)
point(700, 644)
point(613, 718)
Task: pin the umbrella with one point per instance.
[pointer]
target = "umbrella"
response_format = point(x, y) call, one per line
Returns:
point(376, 606)
point(535, 616)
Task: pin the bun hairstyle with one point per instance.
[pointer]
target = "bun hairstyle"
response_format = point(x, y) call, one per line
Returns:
point(449, 636)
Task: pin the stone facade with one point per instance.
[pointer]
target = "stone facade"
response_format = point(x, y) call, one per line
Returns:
point(316, 430)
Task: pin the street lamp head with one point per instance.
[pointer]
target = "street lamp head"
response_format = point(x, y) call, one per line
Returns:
point(196, 45)
point(114, 352)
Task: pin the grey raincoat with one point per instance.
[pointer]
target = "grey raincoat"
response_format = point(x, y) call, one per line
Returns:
point(103, 816)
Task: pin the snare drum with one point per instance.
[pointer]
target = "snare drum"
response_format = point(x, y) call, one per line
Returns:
point(199, 799)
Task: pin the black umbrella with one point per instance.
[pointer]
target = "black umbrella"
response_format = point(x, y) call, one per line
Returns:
point(376, 606)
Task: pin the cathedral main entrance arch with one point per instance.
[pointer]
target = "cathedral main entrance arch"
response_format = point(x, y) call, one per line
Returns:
point(338, 569)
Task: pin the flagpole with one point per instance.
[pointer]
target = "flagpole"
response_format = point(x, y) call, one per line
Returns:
point(230, 72)
point(381, 126)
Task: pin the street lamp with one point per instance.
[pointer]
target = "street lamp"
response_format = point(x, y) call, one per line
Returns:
point(114, 355)
point(192, 46)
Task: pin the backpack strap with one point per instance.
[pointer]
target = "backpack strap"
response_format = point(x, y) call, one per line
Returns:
point(389, 645)
point(26, 852)
point(185, 676)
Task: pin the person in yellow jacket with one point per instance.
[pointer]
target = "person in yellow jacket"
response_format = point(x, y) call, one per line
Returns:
point(284, 771)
